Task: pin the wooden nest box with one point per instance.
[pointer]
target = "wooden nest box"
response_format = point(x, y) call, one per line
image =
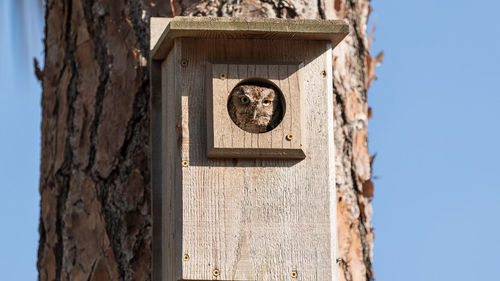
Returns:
point(243, 164)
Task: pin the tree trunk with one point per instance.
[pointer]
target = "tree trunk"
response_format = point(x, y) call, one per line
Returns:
point(96, 219)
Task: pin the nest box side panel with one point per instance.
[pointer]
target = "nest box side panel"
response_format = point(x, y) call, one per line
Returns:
point(171, 208)
point(253, 219)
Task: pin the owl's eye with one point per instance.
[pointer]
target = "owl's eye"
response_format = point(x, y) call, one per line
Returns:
point(245, 100)
point(266, 102)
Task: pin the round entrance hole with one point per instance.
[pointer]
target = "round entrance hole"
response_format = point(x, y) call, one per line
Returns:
point(256, 105)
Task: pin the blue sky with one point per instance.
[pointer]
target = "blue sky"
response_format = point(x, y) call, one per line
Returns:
point(436, 134)
point(20, 117)
point(435, 131)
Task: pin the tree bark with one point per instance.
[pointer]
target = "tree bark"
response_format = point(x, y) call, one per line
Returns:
point(95, 221)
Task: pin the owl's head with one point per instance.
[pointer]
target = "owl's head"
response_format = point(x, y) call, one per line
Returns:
point(253, 108)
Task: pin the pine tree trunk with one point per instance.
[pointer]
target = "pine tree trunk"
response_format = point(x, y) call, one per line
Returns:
point(95, 174)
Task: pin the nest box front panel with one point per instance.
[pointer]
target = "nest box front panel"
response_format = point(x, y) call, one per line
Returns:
point(254, 111)
point(232, 218)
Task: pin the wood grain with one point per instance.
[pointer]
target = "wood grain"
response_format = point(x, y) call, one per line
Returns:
point(231, 141)
point(247, 28)
point(171, 169)
point(250, 219)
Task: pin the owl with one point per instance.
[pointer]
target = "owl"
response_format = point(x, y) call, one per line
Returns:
point(255, 109)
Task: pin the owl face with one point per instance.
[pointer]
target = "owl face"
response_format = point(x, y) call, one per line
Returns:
point(253, 108)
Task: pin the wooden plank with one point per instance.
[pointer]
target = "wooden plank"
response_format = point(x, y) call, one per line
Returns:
point(222, 135)
point(237, 135)
point(254, 219)
point(248, 28)
point(284, 85)
point(296, 114)
point(330, 113)
point(231, 141)
point(196, 194)
point(277, 133)
point(209, 74)
point(171, 170)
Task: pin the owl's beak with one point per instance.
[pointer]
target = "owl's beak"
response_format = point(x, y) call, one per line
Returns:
point(254, 114)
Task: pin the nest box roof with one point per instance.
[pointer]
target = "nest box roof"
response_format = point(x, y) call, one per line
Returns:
point(165, 30)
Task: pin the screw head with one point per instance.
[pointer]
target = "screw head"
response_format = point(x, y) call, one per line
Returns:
point(185, 163)
point(289, 137)
point(323, 73)
point(216, 272)
point(222, 76)
point(184, 63)
point(294, 274)
point(185, 257)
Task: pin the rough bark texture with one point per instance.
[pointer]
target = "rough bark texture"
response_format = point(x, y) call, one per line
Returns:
point(95, 176)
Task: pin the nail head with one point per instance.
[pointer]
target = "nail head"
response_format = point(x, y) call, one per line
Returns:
point(216, 272)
